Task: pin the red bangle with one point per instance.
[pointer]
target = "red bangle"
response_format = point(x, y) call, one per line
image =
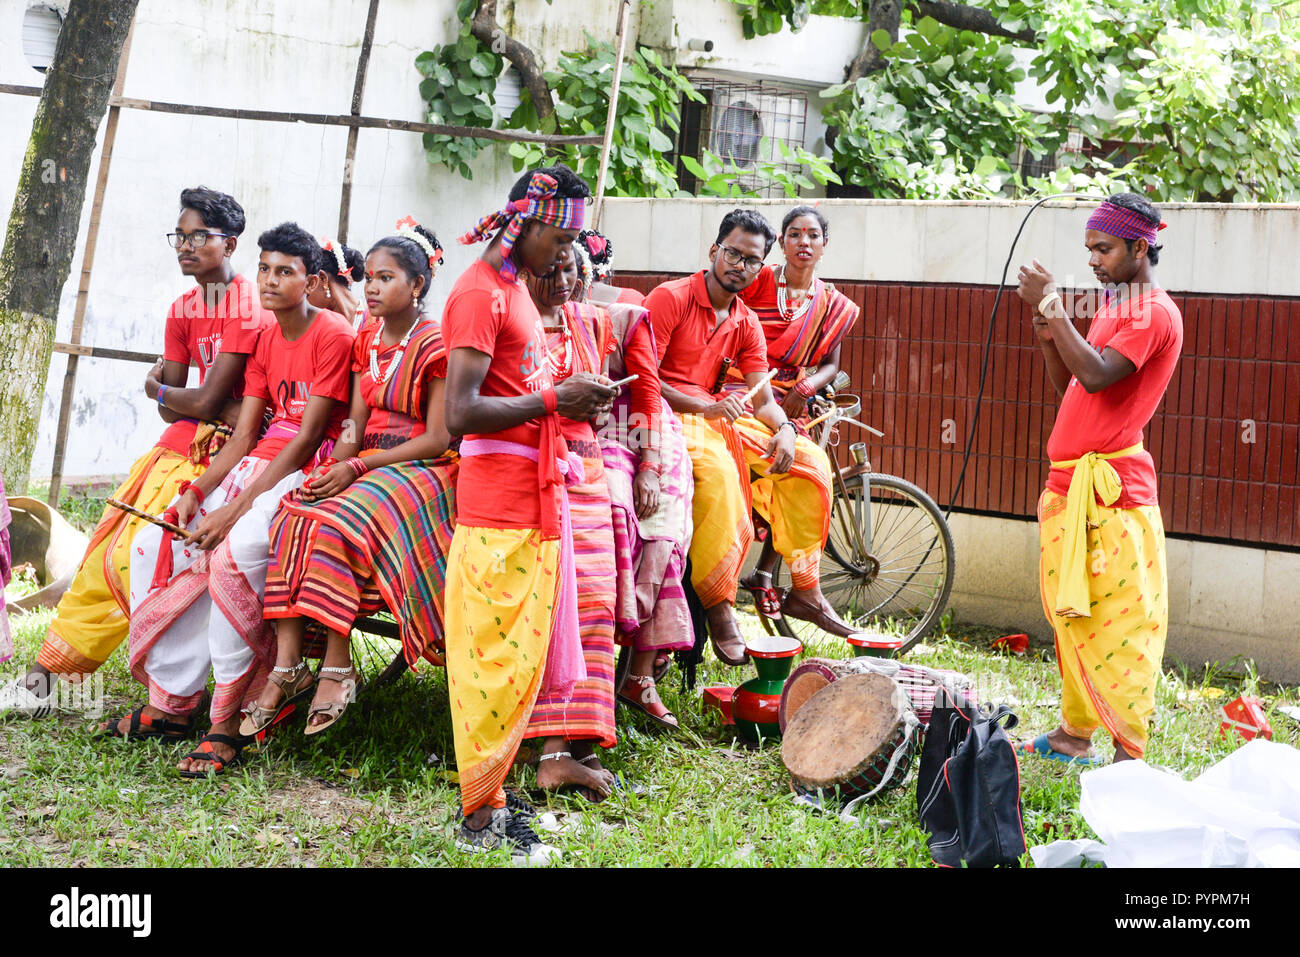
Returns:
point(329, 463)
point(647, 467)
point(357, 465)
point(188, 486)
point(550, 400)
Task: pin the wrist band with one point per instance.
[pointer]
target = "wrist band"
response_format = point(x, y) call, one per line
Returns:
point(550, 400)
point(162, 391)
point(188, 486)
point(358, 465)
point(1042, 304)
point(784, 424)
point(648, 467)
point(804, 389)
point(329, 463)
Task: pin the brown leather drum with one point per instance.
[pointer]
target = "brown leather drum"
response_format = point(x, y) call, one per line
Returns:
point(810, 677)
point(921, 684)
point(856, 736)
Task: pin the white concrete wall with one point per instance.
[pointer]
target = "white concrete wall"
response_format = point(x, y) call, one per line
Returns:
point(1225, 602)
point(299, 57)
point(1208, 247)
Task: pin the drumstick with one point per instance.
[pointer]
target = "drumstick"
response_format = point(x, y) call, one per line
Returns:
point(762, 382)
point(622, 382)
point(153, 519)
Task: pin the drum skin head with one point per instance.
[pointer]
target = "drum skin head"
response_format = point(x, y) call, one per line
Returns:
point(839, 730)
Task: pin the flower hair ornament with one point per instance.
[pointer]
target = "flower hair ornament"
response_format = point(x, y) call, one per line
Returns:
point(337, 252)
point(406, 229)
point(586, 270)
point(600, 252)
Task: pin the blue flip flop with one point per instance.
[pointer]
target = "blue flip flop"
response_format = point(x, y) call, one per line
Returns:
point(1040, 748)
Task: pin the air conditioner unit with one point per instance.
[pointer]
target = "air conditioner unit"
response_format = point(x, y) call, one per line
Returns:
point(737, 130)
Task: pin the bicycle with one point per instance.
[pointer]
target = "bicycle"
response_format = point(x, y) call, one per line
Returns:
point(888, 562)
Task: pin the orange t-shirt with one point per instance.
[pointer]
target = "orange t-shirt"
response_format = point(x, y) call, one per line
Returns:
point(498, 318)
point(317, 363)
point(692, 345)
point(199, 329)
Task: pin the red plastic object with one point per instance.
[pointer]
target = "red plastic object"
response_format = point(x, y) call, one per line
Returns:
point(1246, 717)
point(720, 697)
point(1016, 644)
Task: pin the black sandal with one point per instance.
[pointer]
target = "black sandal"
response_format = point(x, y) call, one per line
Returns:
point(207, 754)
point(152, 727)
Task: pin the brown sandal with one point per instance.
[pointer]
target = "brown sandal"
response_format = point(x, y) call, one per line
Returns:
point(350, 680)
point(292, 689)
point(828, 622)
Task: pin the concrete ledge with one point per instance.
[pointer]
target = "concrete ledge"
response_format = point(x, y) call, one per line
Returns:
point(1225, 601)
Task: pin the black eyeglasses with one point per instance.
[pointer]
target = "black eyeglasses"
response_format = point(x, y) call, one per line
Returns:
point(735, 257)
point(197, 239)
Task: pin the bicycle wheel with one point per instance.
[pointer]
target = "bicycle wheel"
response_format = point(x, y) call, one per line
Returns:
point(888, 563)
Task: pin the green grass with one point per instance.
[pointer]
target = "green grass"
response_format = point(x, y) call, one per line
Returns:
point(377, 788)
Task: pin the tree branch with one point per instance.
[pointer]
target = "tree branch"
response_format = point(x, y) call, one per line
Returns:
point(883, 15)
point(487, 31)
point(963, 17)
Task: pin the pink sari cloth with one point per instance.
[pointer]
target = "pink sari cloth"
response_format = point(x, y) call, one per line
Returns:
point(650, 610)
point(565, 666)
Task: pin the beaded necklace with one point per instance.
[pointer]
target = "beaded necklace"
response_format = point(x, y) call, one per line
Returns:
point(561, 369)
point(397, 357)
point(789, 315)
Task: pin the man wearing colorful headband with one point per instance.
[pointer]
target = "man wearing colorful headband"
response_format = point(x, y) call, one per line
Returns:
point(1102, 567)
point(511, 597)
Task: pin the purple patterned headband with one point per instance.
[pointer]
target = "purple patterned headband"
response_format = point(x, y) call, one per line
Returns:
point(1117, 221)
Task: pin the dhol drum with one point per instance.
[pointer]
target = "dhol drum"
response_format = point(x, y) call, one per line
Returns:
point(921, 684)
point(852, 740)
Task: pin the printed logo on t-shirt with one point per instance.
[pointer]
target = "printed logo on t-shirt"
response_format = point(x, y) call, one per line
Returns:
point(209, 347)
point(293, 397)
point(532, 362)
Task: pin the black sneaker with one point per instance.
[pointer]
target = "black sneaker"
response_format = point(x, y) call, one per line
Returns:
point(513, 803)
point(507, 830)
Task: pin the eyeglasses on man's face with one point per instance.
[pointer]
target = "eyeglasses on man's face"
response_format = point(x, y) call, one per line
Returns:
point(197, 239)
point(735, 257)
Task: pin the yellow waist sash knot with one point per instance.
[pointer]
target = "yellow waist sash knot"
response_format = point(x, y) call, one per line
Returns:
point(1092, 474)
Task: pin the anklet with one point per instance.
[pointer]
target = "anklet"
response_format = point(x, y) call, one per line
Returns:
point(556, 756)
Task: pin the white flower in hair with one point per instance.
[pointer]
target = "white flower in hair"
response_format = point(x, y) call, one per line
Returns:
point(406, 229)
point(339, 258)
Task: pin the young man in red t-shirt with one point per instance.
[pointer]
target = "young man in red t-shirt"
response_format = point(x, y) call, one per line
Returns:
point(213, 326)
point(196, 602)
point(511, 615)
point(745, 455)
point(1102, 568)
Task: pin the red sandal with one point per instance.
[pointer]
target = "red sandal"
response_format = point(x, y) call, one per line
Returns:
point(645, 698)
point(766, 598)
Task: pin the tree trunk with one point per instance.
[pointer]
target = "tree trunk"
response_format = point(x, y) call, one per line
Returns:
point(882, 15)
point(42, 233)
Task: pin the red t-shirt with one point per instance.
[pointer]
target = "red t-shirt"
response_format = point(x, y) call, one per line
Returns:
point(499, 319)
point(691, 350)
point(1148, 331)
point(317, 363)
point(629, 295)
point(198, 330)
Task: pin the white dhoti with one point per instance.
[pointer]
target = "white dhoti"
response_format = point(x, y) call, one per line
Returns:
point(208, 616)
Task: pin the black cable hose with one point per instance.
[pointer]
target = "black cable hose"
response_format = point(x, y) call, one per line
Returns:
point(988, 342)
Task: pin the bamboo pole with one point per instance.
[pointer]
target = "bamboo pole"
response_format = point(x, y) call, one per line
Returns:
point(624, 9)
point(350, 154)
point(332, 119)
point(83, 286)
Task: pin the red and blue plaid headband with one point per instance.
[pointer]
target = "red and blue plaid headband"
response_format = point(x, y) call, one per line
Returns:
point(1117, 221)
point(540, 203)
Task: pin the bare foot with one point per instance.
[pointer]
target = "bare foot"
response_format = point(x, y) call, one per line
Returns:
point(556, 773)
point(1063, 743)
point(584, 752)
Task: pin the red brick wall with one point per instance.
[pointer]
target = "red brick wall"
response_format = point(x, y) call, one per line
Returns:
point(915, 359)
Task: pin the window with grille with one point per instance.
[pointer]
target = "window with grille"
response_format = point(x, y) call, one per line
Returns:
point(742, 122)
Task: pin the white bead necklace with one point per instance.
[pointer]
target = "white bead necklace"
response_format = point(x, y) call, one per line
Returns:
point(782, 305)
point(397, 357)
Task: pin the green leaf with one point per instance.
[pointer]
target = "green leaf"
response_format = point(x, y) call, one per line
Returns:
point(693, 167)
point(659, 142)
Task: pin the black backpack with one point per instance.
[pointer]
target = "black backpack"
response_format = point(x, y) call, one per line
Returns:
point(968, 786)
